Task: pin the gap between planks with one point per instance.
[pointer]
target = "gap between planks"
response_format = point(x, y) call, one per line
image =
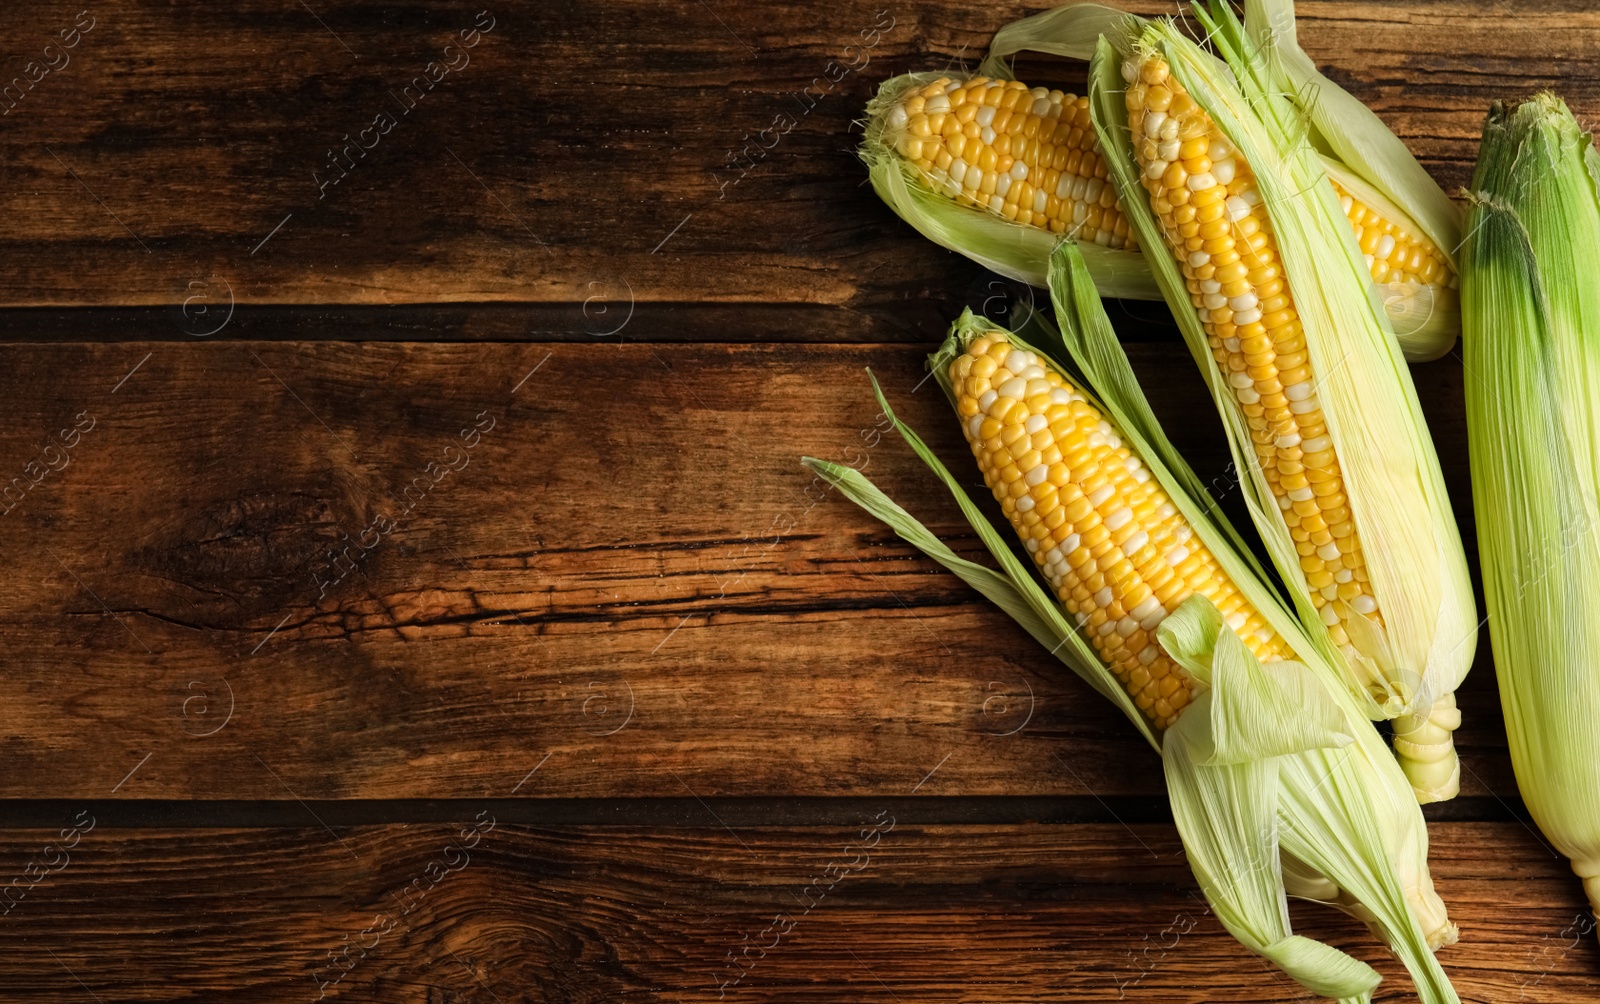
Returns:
point(693, 813)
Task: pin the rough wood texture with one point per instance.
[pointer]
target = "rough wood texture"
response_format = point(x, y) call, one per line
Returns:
point(880, 910)
point(633, 534)
point(621, 610)
point(575, 144)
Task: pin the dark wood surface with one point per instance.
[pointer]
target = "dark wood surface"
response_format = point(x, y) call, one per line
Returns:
point(634, 533)
point(928, 912)
point(629, 626)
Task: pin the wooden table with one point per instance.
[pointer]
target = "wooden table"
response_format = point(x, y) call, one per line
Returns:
point(432, 606)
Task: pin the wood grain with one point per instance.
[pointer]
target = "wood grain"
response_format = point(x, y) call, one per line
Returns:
point(633, 536)
point(626, 621)
point(577, 144)
point(1020, 913)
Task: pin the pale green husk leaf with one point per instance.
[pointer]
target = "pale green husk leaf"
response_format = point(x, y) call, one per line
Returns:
point(1069, 31)
point(1222, 760)
point(1254, 713)
point(1531, 341)
point(1350, 130)
point(996, 587)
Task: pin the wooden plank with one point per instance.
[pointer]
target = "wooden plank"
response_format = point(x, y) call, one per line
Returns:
point(481, 911)
point(633, 536)
point(637, 523)
point(608, 314)
point(573, 145)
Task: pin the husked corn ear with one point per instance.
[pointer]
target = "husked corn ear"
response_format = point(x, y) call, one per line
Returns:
point(1115, 551)
point(1278, 782)
point(1230, 191)
point(1026, 155)
point(1394, 253)
point(1205, 197)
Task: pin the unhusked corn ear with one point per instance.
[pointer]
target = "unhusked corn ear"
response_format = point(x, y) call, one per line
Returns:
point(1115, 551)
point(1027, 155)
point(1531, 351)
point(1204, 195)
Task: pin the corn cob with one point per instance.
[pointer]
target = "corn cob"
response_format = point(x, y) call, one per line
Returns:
point(1108, 540)
point(1006, 218)
point(1203, 193)
point(1026, 155)
point(947, 168)
point(1341, 477)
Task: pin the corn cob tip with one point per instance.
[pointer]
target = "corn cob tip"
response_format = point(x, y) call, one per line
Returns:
point(1429, 910)
point(1421, 898)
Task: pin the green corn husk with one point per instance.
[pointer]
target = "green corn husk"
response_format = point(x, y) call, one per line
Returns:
point(1278, 783)
point(1409, 668)
point(1531, 342)
point(1358, 151)
point(1352, 137)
